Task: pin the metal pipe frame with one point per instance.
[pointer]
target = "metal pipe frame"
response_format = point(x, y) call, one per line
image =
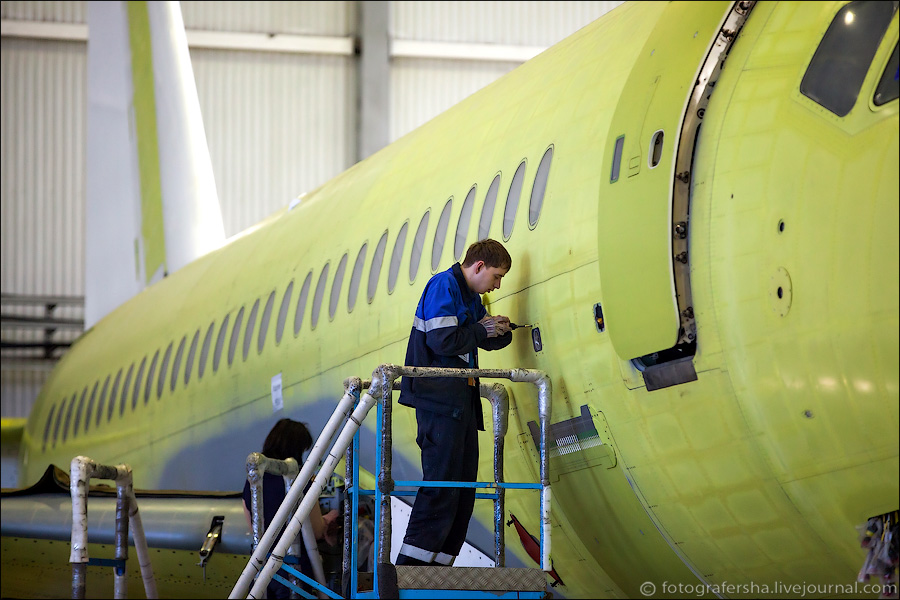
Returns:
point(82, 470)
point(383, 453)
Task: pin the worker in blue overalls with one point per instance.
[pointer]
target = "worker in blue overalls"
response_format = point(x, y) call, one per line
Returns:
point(450, 325)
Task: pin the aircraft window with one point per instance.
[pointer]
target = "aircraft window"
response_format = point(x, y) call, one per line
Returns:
point(264, 323)
point(617, 159)
point(418, 246)
point(125, 387)
point(889, 87)
point(220, 344)
point(512, 201)
point(148, 387)
point(320, 295)
point(163, 369)
point(177, 364)
point(102, 402)
point(112, 396)
point(838, 68)
point(487, 213)
point(251, 323)
point(77, 422)
point(190, 357)
point(462, 226)
point(396, 257)
point(336, 286)
point(204, 351)
point(47, 427)
point(656, 147)
point(62, 406)
point(540, 187)
point(301, 303)
point(282, 314)
point(375, 268)
point(235, 334)
point(69, 415)
point(138, 379)
point(353, 292)
point(90, 407)
point(440, 234)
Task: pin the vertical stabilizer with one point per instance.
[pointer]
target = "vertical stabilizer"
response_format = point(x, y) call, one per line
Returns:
point(152, 205)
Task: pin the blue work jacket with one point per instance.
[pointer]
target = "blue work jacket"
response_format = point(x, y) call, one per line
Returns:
point(446, 333)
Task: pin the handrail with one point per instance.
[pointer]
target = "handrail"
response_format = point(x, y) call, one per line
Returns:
point(349, 563)
point(82, 469)
point(497, 395)
point(382, 383)
point(540, 379)
point(340, 445)
point(258, 562)
point(257, 465)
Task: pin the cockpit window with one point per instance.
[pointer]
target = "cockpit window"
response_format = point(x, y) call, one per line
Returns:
point(889, 87)
point(839, 66)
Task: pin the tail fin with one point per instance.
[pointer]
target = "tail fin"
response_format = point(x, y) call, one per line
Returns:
point(152, 205)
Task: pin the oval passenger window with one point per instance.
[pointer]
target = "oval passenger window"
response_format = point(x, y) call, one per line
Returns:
point(512, 201)
point(440, 235)
point(539, 189)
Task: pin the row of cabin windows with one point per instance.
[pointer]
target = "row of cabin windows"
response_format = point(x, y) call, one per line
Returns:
point(114, 394)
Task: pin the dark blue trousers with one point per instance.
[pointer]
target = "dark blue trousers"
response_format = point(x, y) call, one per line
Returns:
point(440, 516)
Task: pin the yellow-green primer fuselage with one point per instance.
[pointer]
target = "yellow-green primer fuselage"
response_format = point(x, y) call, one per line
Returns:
point(756, 472)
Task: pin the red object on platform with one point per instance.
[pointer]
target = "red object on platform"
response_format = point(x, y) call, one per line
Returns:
point(533, 548)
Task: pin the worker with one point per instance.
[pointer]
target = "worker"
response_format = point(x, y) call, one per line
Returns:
point(450, 324)
point(289, 439)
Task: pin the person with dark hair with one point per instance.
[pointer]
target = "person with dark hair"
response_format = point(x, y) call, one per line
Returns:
point(450, 325)
point(289, 439)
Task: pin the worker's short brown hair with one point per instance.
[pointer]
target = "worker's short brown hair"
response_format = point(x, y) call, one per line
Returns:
point(491, 252)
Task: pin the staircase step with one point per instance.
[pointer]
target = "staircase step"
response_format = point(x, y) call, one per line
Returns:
point(471, 578)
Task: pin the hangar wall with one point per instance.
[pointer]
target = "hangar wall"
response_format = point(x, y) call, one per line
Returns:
point(278, 122)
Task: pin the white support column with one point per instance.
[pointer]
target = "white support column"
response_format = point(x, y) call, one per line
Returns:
point(373, 80)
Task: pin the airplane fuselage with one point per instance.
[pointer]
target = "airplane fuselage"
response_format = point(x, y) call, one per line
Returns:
point(755, 470)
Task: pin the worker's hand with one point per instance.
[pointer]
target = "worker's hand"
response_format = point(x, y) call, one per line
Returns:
point(332, 526)
point(495, 326)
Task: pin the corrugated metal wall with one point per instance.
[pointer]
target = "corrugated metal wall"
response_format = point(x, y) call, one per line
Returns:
point(310, 18)
point(49, 12)
point(516, 23)
point(42, 167)
point(304, 104)
point(42, 189)
point(422, 88)
point(278, 124)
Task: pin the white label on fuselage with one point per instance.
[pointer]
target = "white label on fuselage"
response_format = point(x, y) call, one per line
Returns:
point(277, 400)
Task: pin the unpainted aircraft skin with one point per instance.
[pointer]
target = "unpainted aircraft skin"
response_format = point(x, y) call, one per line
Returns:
point(748, 254)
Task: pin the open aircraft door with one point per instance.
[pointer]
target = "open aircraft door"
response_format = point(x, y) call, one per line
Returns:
point(646, 293)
